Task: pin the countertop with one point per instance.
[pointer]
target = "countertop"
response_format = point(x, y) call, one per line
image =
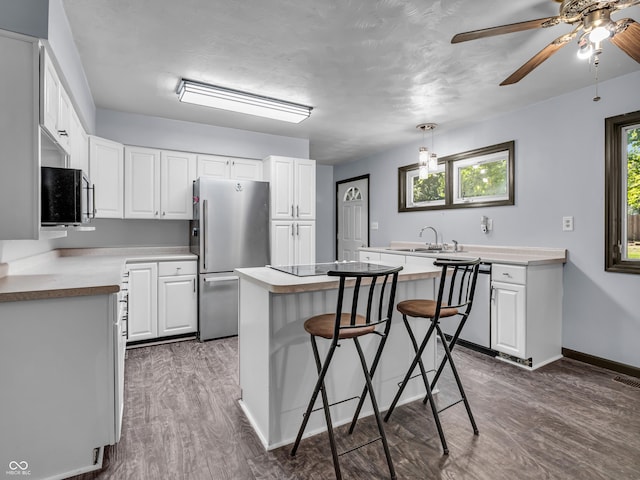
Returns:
point(488, 254)
point(280, 282)
point(77, 272)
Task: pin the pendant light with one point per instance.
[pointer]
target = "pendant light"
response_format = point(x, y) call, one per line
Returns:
point(427, 160)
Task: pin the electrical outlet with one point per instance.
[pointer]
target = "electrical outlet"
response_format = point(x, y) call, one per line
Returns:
point(567, 224)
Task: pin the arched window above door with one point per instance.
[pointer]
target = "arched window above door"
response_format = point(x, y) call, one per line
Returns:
point(353, 194)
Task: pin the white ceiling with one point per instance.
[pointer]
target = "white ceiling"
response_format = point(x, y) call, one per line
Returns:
point(372, 70)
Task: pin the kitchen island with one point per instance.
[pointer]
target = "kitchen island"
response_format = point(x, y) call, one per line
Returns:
point(277, 370)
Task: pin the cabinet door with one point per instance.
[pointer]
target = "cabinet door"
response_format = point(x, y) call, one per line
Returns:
point(246, 169)
point(508, 322)
point(281, 178)
point(141, 182)
point(143, 301)
point(305, 242)
point(282, 243)
point(177, 305)
point(51, 96)
point(64, 115)
point(368, 256)
point(305, 189)
point(177, 173)
point(213, 166)
point(106, 168)
point(79, 147)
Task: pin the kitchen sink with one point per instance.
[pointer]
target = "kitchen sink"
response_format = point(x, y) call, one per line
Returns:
point(418, 249)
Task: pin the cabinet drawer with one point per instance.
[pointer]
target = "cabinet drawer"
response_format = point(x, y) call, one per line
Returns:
point(166, 269)
point(509, 274)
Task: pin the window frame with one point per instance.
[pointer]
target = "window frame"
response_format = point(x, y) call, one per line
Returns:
point(615, 214)
point(404, 173)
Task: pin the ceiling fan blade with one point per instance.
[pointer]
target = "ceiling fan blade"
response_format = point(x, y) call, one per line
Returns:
point(540, 57)
point(511, 28)
point(627, 37)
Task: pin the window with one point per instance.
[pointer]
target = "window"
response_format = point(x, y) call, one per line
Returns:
point(352, 194)
point(482, 177)
point(622, 193)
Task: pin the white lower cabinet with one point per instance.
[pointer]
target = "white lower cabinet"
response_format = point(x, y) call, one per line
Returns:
point(526, 313)
point(163, 299)
point(177, 304)
point(293, 243)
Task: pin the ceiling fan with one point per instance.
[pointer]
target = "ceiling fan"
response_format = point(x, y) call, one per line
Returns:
point(591, 20)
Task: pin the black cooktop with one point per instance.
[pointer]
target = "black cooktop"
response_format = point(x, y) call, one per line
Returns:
point(323, 268)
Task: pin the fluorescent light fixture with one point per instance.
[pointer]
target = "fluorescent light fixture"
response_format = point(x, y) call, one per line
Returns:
point(241, 102)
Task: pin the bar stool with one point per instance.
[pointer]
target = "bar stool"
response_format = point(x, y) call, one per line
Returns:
point(455, 299)
point(378, 283)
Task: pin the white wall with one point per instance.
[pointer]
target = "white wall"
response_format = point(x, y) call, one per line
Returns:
point(559, 171)
point(143, 130)
point(325, 214)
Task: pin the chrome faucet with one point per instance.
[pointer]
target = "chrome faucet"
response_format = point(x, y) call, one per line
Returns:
point(455, 245)
point(435, 232)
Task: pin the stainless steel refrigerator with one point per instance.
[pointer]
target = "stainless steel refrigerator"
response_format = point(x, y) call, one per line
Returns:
point(230, 229)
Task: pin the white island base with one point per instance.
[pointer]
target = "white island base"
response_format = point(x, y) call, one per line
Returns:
point(277, 369)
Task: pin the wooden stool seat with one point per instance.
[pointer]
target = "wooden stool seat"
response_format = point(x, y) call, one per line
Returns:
point(324, 326)
point(424, 309)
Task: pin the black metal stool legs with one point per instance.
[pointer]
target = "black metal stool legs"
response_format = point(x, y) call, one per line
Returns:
point(376, 411)
point(417, 360)
point(454, 370)
point(320, 387)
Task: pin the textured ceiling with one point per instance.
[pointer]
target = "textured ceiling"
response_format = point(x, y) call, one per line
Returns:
point(372, 70)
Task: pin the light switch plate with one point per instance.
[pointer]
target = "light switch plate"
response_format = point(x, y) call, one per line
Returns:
point(567, 224)
point(374, 225)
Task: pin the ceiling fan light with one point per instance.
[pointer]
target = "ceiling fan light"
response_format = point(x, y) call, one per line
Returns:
point(598, 34)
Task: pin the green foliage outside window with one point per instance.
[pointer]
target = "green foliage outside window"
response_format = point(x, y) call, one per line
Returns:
point(428, 189)
point(633, 171)
point(483, 180)
point(633, 188)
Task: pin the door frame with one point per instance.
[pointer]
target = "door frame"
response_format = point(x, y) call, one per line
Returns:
point(347, 180)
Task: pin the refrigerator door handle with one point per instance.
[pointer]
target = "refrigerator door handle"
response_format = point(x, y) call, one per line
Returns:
point(219, 279)
point(204, 235)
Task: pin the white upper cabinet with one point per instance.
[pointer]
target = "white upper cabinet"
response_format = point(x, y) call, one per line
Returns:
point(177, 173)
point(106, 168)
point(79, 145)
point(229, 167)
point(55, 103)
point(293, 187)
point(158, 184)
point(19, 138)
point(141, 183)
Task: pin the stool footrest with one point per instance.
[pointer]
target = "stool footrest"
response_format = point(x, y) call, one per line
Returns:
point(418, 375)
point(360, 446)
point(336, 403)
point(449, 406)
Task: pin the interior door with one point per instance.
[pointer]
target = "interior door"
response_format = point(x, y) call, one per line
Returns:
point(352, 217)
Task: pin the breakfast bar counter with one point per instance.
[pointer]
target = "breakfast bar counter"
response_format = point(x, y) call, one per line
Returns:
point(277, 370)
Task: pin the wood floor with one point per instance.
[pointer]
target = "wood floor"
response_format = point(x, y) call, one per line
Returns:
point(567, 420)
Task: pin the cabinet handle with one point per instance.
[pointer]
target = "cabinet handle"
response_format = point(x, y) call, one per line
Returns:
point(292, 230)
point(164, 213)
point(194, 285)
point(93, 192)
point(156, 213)
point(506, 274)
point(298, 229)
point(493, 295)
point(63, 133)
point(298, 211)
point(292, 210)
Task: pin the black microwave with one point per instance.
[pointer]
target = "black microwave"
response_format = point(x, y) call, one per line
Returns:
point(66, 197)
